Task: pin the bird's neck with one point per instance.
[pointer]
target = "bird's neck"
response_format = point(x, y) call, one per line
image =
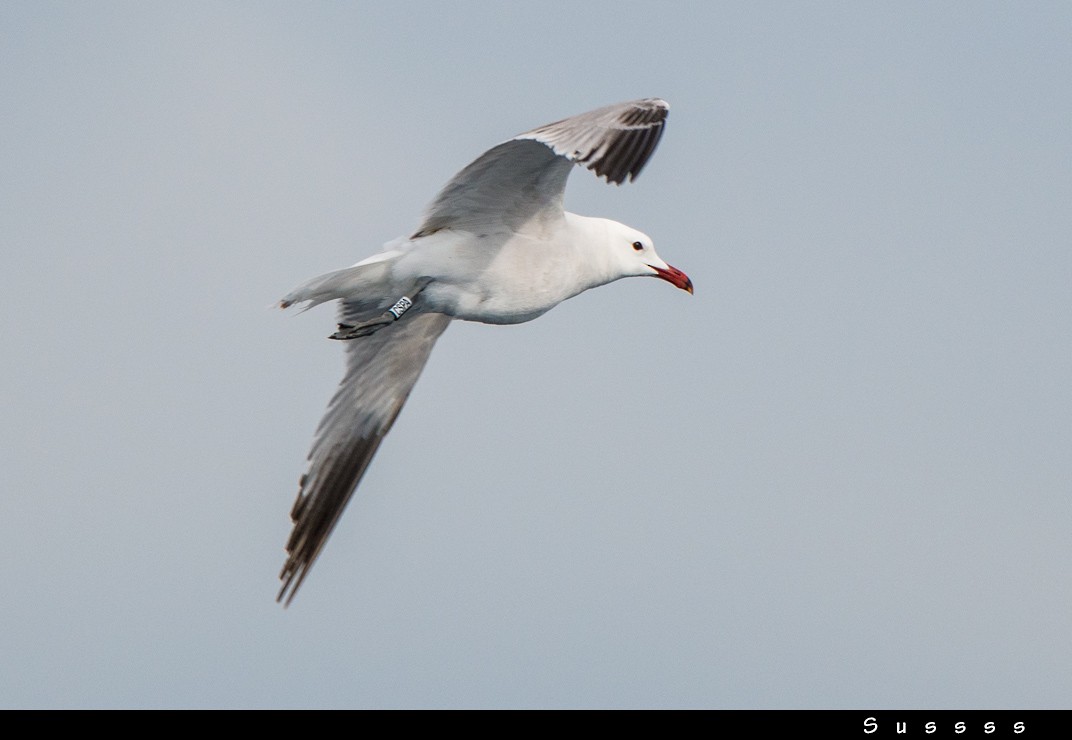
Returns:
point(590, 239)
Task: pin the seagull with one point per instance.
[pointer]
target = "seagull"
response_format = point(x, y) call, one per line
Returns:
point(495, 246)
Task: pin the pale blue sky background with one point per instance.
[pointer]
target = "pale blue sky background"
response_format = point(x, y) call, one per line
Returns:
point(838, 476)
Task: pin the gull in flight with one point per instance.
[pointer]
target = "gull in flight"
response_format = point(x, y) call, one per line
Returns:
point(495, 246)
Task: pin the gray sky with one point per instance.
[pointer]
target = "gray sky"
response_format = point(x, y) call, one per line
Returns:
point(839, 476)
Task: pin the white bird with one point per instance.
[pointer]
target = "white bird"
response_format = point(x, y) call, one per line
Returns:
point(495, 246)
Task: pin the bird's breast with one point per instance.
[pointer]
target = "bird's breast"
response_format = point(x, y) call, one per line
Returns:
point(489, 304)
point(498, 279)
point(516, 284)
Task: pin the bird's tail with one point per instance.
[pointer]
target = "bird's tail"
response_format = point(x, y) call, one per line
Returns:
point(355, 282)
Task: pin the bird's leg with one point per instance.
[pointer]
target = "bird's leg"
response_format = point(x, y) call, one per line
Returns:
point(391, 315)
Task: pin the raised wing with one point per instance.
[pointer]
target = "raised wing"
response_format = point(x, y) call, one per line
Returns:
point(381, 370)
point(525, 178)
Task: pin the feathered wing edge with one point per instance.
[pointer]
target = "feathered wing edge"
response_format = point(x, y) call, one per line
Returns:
point(381, 371)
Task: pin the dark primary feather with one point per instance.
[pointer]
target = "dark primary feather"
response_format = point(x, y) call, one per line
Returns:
point(525, 177)
point(381, 370)
point(615, 142)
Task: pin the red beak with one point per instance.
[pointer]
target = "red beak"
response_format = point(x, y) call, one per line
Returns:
point(675, 277)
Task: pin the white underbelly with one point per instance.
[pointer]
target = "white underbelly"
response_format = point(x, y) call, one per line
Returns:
point(499, 306)
point(494, 283)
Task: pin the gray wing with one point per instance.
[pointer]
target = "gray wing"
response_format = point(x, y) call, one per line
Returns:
point(525, 177)
point(381, 370)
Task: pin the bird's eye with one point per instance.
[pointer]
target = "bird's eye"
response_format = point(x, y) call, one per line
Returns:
point(637, 246)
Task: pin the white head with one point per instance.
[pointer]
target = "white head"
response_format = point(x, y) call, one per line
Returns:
point(632, 254)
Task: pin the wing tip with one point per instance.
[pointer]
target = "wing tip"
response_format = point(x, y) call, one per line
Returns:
point(614, 142)
point(292, 581)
